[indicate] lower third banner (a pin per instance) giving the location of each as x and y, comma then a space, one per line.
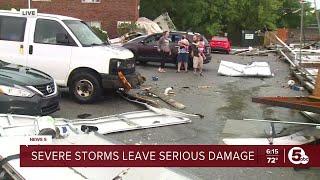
169, 156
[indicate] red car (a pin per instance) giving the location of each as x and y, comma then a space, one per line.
220, 44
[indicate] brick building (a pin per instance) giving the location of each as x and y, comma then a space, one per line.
106, 14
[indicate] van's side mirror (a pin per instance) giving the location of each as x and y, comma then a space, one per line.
62, 38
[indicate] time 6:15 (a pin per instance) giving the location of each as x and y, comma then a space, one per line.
272, 151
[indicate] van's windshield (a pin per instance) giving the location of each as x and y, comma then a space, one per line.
84, 33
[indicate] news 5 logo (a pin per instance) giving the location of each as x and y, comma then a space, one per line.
297, 155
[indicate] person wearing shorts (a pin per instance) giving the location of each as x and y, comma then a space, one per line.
197, 58
198, 64
183, 54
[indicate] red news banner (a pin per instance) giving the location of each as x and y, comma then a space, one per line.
169, 156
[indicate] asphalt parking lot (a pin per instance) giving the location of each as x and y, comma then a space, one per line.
225, 98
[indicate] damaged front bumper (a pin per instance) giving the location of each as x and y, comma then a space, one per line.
114, 82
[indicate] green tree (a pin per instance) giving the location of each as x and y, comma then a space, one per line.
290, 14
252, 15
186, 14
127, 28
103, 35
212, 17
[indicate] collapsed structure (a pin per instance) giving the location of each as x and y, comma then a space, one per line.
16, 130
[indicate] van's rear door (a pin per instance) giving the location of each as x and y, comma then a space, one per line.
45, 52
13, 39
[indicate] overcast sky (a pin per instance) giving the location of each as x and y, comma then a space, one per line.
312, 3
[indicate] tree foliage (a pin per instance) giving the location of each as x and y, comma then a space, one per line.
103, 35
290, 14
127, 28
212, 17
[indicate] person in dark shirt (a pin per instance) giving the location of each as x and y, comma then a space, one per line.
164, 49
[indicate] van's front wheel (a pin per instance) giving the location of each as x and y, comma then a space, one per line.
85, 87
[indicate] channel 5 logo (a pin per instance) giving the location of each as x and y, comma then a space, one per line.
297, 155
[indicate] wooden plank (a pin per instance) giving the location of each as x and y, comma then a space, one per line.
168, 100
316, 91
310, 64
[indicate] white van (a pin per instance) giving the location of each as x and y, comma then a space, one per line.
68, 50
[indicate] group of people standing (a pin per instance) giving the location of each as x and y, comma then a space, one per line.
186, 49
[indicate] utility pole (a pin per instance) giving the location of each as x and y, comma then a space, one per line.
317, 15
301, 27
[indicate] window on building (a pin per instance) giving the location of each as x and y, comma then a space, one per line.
96, 24
90, 1
12, 28
47, 30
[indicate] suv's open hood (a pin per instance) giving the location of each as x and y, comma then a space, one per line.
14, 74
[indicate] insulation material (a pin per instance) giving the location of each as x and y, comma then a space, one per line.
254, 69
149, 26
165, 22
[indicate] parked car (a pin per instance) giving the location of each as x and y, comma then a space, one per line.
220, 44
26, 91
145, 48
125, 38
67, 49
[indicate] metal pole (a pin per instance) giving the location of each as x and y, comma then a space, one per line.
301, 28
317, 15
29, 4
280, 122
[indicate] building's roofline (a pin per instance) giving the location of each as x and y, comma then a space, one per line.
17, 13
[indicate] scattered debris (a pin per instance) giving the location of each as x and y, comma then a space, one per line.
168, 91
294, 139
83, 116
238, 51
17, 129
155, 78
146, 88
204, 87
119, 41
253, 52
165, 110
127, 86
132, 96
314, 117
310, 103
167, 100
305, 136
254, 69
297, 88
158, 109
292, 84
148, 26
31, 125
165, 22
